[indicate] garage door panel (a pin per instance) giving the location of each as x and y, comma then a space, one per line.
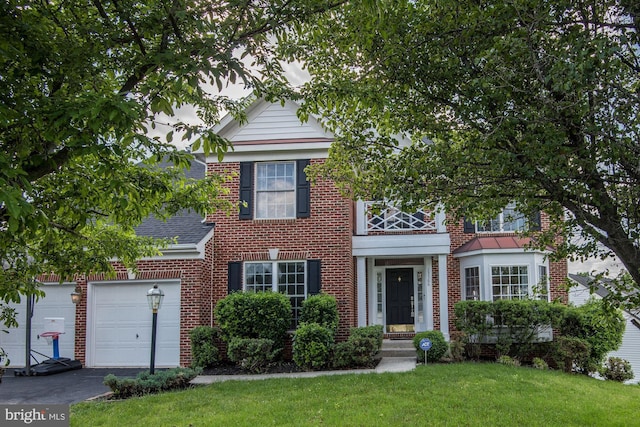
55, 303
122, 321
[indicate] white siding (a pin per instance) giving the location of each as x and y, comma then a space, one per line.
269, 121
630, 348
56, 303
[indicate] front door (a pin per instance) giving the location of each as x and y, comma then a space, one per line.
399, 290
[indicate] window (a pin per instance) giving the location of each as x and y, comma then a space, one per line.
472, 283
510, 282
274, 190
541, 290
287, 278
508, 220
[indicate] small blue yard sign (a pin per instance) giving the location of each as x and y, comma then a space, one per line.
425, 344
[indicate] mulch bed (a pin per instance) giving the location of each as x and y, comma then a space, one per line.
284, 367
233, 369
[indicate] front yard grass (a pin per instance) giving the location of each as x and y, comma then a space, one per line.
465, 394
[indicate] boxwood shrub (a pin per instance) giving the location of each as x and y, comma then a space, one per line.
321, 309
375, 332
252, 354
438, 349
204, 351
312, 346
254, 315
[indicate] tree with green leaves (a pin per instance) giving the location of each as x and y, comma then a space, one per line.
528, 101
83, 84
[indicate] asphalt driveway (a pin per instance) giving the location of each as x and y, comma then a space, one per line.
63, 388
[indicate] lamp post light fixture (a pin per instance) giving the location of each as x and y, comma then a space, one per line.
76, 295
154, 298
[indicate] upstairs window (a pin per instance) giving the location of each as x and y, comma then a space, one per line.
508, 221
274, 190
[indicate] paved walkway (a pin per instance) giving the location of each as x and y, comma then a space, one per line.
387, 364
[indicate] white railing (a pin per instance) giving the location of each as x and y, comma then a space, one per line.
374, 216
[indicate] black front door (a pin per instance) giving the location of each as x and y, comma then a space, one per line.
399, 288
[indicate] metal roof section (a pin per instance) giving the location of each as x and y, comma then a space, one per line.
494, 244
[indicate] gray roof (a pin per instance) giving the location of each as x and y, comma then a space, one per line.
588, 282
187, 226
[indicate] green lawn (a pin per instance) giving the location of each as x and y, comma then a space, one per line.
467, 394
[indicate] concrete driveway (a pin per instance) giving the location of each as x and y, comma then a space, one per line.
63, 388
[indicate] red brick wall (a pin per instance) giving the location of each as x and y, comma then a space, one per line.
195, 296
325, 235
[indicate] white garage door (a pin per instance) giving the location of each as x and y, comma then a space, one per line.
119, 319
56, 303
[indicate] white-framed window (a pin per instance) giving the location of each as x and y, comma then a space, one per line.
510, 282
275, 190
541, 290
472, 283
509, 220
285, 277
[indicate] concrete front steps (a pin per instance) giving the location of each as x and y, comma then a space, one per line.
397, 356
397, 348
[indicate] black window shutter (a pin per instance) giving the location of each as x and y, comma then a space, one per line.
246, 190
234, 277
313, 276
303, 204
469, 227
535, 222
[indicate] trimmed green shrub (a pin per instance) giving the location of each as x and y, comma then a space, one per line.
457, 349
204, 352
252, 354
570, 352
254, 315
145, 383
375, 332
597, 324
321, 309
439, 346
513, 325
357, 351
343, 355
508, 361
312, 346
617, 369
539, 363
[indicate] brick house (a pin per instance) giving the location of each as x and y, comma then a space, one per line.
401, 270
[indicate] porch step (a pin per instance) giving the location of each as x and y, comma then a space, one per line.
397, 348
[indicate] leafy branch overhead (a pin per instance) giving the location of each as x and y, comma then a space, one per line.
83, 86
533, 102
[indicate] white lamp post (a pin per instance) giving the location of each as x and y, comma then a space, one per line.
154, 298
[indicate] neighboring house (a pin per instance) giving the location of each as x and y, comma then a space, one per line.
402, 270
630, 347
